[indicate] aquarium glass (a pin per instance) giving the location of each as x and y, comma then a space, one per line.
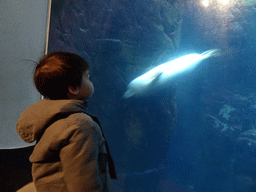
175, 88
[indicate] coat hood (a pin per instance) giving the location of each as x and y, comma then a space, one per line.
36, 118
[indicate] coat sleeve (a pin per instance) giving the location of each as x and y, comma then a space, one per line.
79, 159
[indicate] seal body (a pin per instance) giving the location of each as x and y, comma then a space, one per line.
162, 75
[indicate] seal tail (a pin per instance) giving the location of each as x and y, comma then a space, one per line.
211, 53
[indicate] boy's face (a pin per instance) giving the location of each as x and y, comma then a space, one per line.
86, 90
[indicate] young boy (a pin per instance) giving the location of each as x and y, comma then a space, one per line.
71, 152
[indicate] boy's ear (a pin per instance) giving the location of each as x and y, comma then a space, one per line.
73, 90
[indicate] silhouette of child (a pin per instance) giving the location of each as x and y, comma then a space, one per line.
71, 152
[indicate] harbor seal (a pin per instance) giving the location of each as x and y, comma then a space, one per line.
162, 75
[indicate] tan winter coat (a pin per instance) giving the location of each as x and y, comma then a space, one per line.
70, 153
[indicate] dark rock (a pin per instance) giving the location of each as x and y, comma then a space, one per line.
215, 126
245, 163
248, 140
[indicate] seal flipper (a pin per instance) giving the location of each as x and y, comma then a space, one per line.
154, 79
211, 53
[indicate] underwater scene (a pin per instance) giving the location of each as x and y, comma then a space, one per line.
175, 88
